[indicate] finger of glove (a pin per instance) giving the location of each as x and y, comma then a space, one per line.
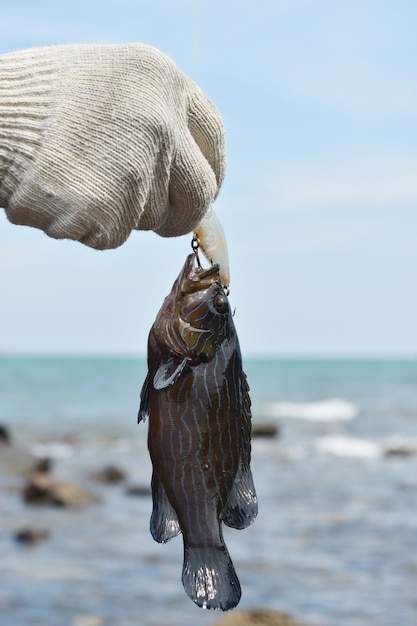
192, 188
206, 127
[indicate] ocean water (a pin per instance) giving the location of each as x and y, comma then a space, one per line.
335, 541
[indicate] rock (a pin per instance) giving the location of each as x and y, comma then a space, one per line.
17, 459
257, 617
43, 465
5, 437
110, 475
41, 489
265, 429
69, 495
400, 446
139, 490
399, 452
88, 620
30, 536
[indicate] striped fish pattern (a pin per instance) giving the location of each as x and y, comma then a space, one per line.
196, 397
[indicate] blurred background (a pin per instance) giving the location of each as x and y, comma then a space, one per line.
319, 100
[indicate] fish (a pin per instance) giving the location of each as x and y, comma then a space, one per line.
196, 399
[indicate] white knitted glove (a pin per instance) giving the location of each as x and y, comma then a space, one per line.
98, 140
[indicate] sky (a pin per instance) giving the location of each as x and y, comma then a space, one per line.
319, 101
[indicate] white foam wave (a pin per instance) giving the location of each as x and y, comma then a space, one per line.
52, 450
334, 409
350, 447
354, 447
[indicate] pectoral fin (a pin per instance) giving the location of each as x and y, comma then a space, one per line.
169, 371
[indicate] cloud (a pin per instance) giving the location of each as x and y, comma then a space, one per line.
336, 205
372, 180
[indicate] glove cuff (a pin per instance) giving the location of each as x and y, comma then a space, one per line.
26, 79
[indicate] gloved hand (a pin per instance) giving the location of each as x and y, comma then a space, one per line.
98, 140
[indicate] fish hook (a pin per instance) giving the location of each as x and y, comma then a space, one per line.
195, 246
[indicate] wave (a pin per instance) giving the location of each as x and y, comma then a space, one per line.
52, 450
350, 447
334, 409
354, 447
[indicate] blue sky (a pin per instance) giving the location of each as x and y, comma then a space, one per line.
319, 100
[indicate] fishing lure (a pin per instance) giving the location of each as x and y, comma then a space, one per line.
210, 237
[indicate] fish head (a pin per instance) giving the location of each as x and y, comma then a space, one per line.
195, 318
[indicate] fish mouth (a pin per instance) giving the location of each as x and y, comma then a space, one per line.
196, 278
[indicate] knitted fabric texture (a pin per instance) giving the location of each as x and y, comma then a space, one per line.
98, 140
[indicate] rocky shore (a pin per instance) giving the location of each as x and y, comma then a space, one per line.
257, 617
37, 487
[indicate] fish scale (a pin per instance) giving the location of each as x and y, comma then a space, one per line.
197, 399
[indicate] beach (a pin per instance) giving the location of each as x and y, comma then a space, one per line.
335, 541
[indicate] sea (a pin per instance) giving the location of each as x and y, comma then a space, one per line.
335, 540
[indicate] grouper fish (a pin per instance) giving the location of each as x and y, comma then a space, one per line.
196, 398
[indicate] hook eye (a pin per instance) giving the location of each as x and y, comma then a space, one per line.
195, 246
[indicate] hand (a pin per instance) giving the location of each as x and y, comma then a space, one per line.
98, 140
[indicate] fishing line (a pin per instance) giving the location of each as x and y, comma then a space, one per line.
196, 25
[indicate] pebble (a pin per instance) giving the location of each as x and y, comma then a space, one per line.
257, 617
42, 489
139, 490
111, 474
265, 429
30, 536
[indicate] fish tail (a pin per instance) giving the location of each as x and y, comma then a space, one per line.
209, 577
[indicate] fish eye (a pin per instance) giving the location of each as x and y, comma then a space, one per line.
220, 302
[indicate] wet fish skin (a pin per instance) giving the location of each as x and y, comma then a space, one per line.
197, 399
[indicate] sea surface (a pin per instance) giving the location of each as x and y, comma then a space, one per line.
335, 541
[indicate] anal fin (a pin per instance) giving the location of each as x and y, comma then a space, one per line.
242, 506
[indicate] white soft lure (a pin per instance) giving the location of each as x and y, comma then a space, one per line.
212, 242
